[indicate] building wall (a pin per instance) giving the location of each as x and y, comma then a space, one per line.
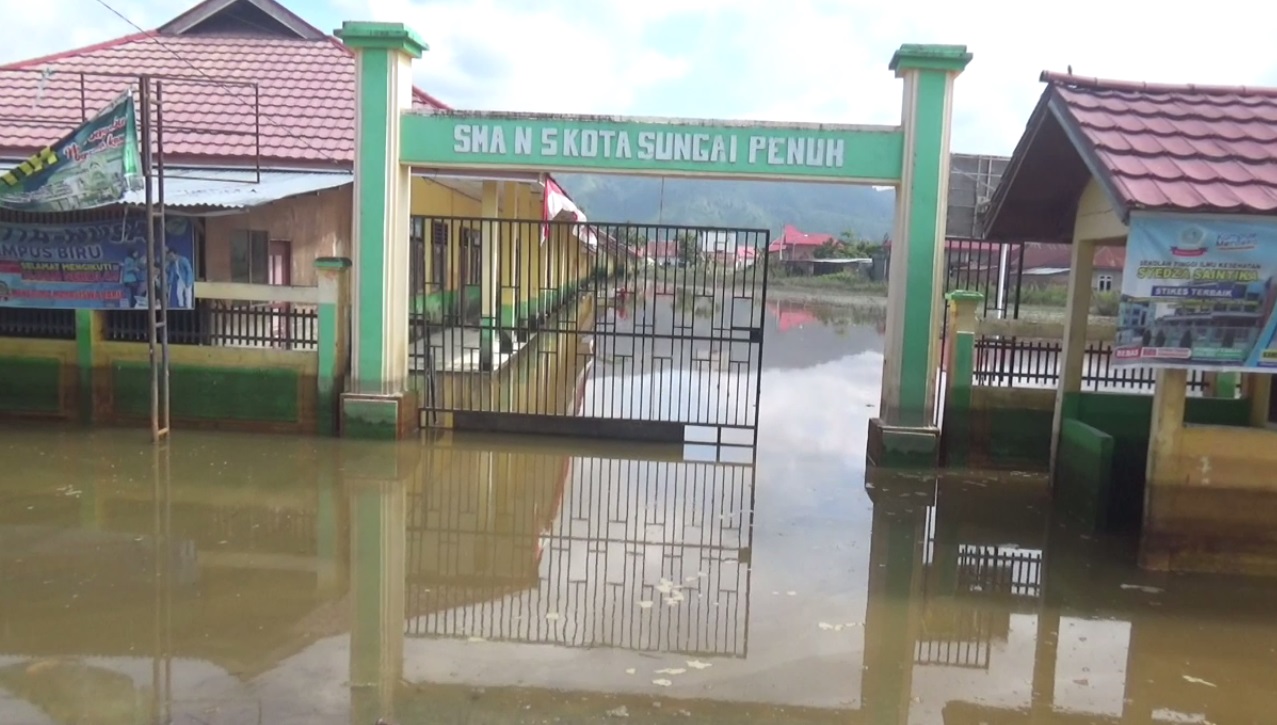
317, 225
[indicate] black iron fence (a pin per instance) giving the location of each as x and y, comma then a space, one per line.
226, 323
581, 551
37, 323
994, 269
587, 329
1019, 362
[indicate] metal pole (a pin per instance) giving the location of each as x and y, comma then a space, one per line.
162, 323
1003, 253
144, 98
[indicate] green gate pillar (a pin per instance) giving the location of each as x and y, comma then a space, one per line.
376, 477
379, 404
904, 434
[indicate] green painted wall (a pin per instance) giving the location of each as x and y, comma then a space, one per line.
30, 385
204, 393
1084, 477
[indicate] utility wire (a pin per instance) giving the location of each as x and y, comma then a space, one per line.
219, 83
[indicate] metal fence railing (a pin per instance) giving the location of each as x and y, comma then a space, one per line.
1017, 362
37, 323
226, 323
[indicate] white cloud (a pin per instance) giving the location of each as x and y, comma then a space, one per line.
33, 29
797, 60
487, 54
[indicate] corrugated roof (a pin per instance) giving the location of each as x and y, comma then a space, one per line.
238, 189
305, 95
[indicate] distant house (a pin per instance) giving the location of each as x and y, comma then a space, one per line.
717, 242
1048, 265
797, 246
741, 258
663, 253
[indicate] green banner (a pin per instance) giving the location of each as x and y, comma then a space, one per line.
95, 165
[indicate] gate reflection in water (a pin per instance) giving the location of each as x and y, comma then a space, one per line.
581, 548
596, 330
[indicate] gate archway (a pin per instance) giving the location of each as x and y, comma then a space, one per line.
392, 138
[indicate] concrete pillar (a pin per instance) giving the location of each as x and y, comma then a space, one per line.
959, 373
904, 432
333, 274
489, 283
376, 479
1258, 388
1169, 398
89, 327
379, 403
892, 611
1073, 352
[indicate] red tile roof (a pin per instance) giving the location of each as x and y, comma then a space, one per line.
306, 95
1060, 256
791, 237
1188, 148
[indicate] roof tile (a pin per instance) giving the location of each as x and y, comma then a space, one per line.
1190, 148
305, 95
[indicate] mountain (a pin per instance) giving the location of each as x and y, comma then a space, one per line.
817, 208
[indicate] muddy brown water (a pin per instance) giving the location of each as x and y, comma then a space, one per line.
270, 579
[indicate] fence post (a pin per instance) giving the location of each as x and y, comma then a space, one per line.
333, 339
958, 417
89, 325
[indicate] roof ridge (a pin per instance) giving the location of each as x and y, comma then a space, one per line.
1103, 84
104, 45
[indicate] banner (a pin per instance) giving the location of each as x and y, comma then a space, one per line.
1197, 292
93, 166
94, 265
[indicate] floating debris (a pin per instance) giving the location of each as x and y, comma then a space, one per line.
698, 665
1142, 588
825, 626
1198, 681
671, 671
791, 593
618, 712
551, 616
630, 670
476, 639
662, 683
645, 604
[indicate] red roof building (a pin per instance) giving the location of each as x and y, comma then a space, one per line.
797, 244
1185, 148
301, 104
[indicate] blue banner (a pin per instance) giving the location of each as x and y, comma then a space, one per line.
94, 265
1198, 292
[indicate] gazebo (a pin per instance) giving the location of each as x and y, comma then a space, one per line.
1185, 178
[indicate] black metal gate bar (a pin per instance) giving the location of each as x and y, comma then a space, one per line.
597, 330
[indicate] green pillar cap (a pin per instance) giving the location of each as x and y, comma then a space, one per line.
332, 263
912, 56
390, 36
962, 295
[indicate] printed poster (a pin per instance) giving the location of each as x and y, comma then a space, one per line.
94, 265
94, 166
1197, 292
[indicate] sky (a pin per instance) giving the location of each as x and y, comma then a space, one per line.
777, 60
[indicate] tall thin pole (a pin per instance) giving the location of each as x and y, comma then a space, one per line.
144, 99
162, 324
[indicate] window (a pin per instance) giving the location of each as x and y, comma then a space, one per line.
416, 253
250, 256
472, 255
439, 254
1104, 283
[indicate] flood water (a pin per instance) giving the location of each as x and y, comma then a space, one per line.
269, 579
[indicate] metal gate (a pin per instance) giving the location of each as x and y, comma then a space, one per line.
620, 331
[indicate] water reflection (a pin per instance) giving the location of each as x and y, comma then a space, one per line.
279, 580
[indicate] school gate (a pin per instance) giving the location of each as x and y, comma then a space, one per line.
393, 141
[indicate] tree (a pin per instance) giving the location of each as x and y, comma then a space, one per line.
689, 251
